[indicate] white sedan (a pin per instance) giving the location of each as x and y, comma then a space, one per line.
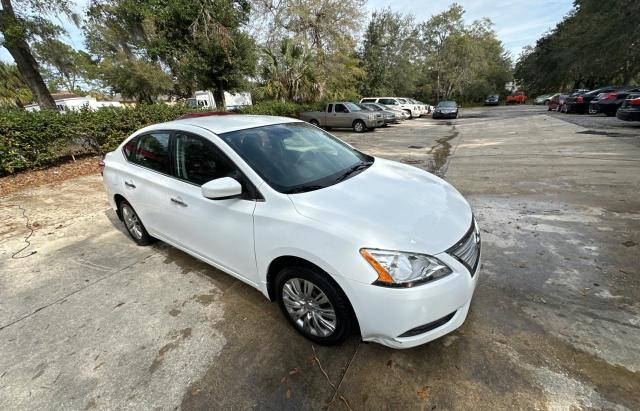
342, 240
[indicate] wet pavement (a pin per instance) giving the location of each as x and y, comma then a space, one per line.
90, 321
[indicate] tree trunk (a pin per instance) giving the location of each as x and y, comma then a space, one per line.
219, 95
15, 42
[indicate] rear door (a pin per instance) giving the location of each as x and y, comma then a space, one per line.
221, 231
146, 179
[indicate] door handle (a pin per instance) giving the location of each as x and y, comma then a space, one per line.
129, 184
178, 202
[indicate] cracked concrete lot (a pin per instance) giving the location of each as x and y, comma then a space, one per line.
91, 321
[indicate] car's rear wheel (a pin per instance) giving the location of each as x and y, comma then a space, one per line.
359, 126
314, 122
314, 305
134, 225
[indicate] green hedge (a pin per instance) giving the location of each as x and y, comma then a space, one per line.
35, 139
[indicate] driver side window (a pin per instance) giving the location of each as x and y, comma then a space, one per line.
198, 160
340, 108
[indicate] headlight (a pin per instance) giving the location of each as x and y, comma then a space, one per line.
372, 116
399, 269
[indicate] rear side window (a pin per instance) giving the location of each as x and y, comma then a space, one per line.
368, 100
198, 160
330, 108
150, 151
388, 101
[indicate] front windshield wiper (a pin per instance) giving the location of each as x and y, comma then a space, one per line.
305, 188
354, 169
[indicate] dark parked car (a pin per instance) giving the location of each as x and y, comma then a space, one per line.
609, 103
630, 109
492, 100
446, 109
579, 102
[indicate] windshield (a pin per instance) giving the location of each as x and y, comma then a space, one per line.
367, 107
352, 107
296, 157
447, 104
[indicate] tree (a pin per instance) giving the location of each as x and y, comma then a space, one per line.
14, 91
18, 28
288, 73
388, 55
465, 61
134, 78
200, 43
598, 43
66, 66
327, 28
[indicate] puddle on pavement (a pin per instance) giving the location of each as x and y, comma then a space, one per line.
440, 153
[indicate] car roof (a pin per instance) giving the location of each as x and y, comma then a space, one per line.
225, 124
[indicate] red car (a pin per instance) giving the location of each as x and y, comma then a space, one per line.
517, 98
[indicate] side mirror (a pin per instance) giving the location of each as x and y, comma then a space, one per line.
221, 188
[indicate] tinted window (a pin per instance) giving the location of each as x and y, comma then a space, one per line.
151, 151
447, 104
340, 108
368, 100
198, 160
294, 156
388, 101
329, 108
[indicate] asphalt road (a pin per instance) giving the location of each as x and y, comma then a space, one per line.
91, 321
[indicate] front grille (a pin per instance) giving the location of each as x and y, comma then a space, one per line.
467, 250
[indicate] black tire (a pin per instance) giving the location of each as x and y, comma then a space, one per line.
409, 113
314, 123
345, 321
359, 126
138, 233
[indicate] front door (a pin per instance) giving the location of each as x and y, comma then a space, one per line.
221, 231
342, 116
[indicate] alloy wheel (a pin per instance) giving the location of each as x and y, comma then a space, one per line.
309, 307
132, 222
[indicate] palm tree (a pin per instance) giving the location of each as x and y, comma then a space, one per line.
288, 74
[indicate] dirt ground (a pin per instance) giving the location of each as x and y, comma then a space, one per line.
88, 320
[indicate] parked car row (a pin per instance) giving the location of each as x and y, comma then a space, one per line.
412, 107
370, 113
608, 100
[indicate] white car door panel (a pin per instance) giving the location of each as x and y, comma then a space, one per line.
218, 230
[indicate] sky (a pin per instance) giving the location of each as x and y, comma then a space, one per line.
517, 23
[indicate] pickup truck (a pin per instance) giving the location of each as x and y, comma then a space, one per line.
344, 114
516, 98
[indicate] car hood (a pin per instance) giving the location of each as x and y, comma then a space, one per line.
391, 206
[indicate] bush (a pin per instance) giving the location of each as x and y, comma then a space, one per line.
35, 139
280, 108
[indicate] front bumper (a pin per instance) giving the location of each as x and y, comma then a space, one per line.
378, 122
445, 115
385, 314
628, 115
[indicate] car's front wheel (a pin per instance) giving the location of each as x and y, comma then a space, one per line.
314, 305
134, 225
359, 126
